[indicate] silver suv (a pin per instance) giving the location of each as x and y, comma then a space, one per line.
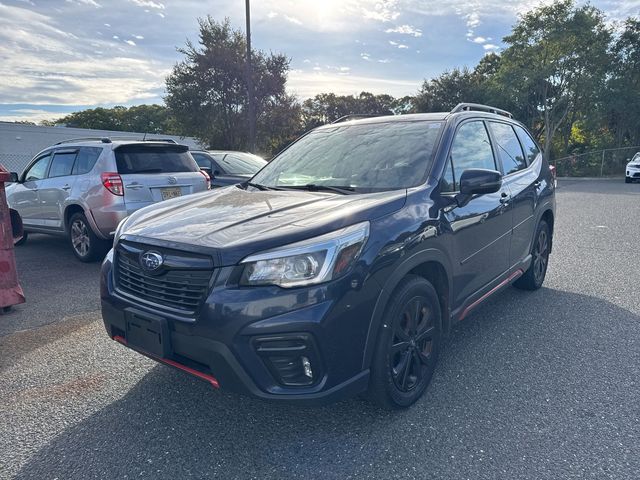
84, 188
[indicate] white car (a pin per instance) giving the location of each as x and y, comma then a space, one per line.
633, 169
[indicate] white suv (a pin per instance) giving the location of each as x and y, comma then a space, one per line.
633, 169
83, 188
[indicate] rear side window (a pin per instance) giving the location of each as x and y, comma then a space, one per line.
202, 160
87, 157
62, 164
531, 150
509, 149
471, 149
242, 164
154, 159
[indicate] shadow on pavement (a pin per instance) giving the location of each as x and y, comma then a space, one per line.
529, 386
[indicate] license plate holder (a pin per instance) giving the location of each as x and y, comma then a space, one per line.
148, 333
171, 192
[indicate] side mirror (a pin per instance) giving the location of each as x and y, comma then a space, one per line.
477, 181
13, 178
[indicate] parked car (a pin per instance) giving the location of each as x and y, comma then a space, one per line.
346, 283
84, 188
633, 169
228, 168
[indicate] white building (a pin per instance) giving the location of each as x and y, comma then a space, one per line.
19, 142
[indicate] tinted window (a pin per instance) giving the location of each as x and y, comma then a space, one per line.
369, 156
62, 164
508, 146
531, 150
242, 163
154, 159
39, 169
471, 149
87, 157
203, 161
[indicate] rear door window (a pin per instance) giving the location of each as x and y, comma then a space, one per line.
531, 150
86, 160
509, 149
154, 159
62, 164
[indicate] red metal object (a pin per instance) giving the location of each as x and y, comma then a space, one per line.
10, 290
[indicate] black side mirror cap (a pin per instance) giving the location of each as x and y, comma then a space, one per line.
477, 181
14, 178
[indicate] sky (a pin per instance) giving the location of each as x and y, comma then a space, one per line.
61, 56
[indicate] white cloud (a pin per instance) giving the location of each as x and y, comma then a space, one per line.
130, 42
272, 14
403, 46
307, 84
293, 20
405, 30
396, 44
31, 115
149, 4
107, 25
382, 11
138, 37
116, 37
490, 46
365, 56
90, 3
480, 40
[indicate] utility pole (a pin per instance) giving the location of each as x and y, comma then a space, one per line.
250, 92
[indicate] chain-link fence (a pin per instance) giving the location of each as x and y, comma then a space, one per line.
602, 163
14, 162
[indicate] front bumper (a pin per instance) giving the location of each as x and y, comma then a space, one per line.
233, 339
633, 173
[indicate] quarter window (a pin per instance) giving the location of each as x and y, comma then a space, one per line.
471, 149
87, 157
203, 161
62, 164
39, 169
531, 150
509, 149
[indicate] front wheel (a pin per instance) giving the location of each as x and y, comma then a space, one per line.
407, 346
537, 271
86, 245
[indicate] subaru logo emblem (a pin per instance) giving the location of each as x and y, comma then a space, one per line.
151, 261
172, 180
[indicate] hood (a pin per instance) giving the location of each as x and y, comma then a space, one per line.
234, 223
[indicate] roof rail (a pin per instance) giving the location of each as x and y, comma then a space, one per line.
110, 139
462, 107
353, 116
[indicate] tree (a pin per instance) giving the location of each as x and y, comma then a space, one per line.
207, 90
328, 107
554, 66
139, 118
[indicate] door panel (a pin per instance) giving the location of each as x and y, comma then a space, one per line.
25, 196
480, 230
55, 189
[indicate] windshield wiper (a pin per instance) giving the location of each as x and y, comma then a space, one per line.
262, 187
312, 187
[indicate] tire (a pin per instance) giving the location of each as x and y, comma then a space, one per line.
534, 277
407, 346
627, 180
85, 244
23, 240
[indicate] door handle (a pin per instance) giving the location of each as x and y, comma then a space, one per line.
537, 184
66, 187
504, 198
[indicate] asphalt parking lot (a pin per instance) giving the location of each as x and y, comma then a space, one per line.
541, 385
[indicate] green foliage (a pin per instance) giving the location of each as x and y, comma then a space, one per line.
207, 91
139, 118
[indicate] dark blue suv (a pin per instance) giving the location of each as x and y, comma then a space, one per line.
337, 269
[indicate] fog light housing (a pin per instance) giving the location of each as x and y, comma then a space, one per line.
292, 360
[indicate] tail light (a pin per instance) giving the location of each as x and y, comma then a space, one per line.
207, 179
113, 182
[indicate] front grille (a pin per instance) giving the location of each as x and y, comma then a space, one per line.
179, 289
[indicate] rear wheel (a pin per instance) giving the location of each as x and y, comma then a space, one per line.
537, 271
407, 346
86, 245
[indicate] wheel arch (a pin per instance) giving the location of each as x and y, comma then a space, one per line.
71, 210
432, 265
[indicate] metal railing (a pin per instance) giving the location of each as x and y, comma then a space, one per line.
610, 162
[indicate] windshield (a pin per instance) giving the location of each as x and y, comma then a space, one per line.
365, 157
139, 158
238, 163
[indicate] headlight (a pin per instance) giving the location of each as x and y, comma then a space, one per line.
317, 260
